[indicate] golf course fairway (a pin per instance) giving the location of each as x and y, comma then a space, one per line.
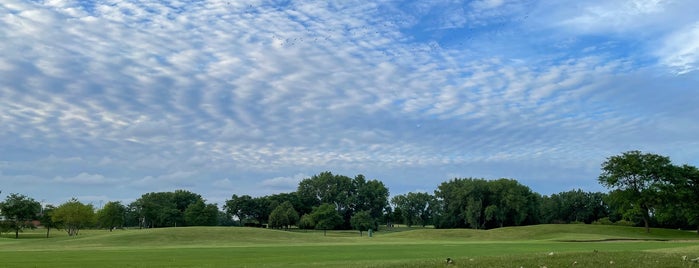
573, 245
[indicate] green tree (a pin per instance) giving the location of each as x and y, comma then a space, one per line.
19, 211
157, 209
416, 208
370, 196
201, 214
574, 206
306, 222
327, 188
686, 191
47, 220
183, 199
283, 216
478, 203
362, 221
112, 215
73, 216
240, 207
638, 177
326, 217
162, 209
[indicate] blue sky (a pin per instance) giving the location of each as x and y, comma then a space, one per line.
110, 99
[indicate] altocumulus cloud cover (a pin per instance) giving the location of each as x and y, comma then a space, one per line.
109, 99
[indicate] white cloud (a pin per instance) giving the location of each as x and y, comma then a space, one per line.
84, 179
283, 183
680, 50
182, 95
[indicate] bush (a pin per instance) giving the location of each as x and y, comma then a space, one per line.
603, 221
306, 222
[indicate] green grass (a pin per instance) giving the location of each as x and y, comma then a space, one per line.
530, 246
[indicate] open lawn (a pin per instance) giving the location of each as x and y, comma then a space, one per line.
529, 246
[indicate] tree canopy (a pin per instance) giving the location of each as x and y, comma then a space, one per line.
645, 189
19, 210
73, 216
638, 177
112, 215
283, 216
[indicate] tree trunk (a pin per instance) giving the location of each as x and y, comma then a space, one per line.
48, 229
16, 233
645, 222
646, 217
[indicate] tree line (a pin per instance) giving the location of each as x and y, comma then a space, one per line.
645, 190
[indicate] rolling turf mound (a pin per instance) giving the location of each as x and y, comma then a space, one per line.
550, 232
221, 237
171, 237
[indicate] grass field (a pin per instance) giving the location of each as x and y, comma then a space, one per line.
530, 246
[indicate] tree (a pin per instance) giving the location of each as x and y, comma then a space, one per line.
638, 177
74, 215
326, 217
201, 214
686, 189
183, 199
283, 216
240, 207
331, 189
19, 211
574, 206
478, 203
306, 222
416, 208
164, 209
157, 210
46, 219
370, 196
112, 215
362, 221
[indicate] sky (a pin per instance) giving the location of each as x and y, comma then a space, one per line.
107, 100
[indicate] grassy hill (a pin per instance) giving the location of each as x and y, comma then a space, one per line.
254, 247
554, 232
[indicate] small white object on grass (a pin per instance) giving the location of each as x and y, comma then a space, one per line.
551, 253
695, 259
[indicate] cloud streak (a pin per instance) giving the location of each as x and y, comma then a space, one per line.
212, 95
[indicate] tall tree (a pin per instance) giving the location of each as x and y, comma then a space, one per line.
240, 207
162, 209
183, 199
573, 206
201, 214
370, 196
331, 189
112, 215
74, 215
326, 217
283, 216
46, 220
19, 211
416, 208
478, 203
686, 189
638, 177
